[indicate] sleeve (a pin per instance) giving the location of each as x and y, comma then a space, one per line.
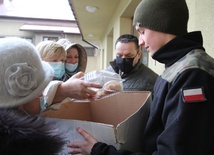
187, 116
50, 91
104, 149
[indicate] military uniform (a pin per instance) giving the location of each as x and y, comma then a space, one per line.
182, 113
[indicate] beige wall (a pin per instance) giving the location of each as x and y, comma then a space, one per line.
11, 28
118, 25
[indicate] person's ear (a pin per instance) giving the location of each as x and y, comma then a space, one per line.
139, 53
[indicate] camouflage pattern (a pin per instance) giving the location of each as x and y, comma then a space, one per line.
194, 59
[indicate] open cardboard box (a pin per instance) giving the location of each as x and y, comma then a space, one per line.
118, 119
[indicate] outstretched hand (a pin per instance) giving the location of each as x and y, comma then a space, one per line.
83, 147
76, 88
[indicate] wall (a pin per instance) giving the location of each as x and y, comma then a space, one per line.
11, 28
118, 26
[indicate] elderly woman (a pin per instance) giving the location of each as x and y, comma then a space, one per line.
24, 76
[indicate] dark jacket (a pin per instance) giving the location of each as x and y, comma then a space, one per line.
27, 135
180, 123
141, 78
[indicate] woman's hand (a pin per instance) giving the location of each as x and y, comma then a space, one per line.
76, 88
84, 147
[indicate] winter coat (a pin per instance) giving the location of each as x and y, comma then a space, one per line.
27, 135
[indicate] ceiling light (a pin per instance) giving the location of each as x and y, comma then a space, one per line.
91, 8
90, 35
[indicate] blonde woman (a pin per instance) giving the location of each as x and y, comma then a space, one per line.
55, 55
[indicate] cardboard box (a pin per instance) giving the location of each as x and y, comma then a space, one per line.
118, 119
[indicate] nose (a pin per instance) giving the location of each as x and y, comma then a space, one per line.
141, 41
73, 61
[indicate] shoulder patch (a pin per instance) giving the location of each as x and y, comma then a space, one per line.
193, 95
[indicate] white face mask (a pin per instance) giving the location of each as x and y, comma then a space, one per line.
71, 67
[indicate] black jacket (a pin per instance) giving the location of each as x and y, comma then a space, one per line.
27, 135
181, 120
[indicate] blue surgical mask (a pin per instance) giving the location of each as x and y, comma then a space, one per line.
43, 104
71, 67
59, 69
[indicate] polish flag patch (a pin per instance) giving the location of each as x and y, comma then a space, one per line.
193, 95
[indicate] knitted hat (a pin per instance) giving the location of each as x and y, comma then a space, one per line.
23, 76
168, 16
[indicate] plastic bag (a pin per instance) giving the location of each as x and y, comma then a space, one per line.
111, 82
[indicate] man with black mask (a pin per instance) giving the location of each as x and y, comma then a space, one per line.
137, 76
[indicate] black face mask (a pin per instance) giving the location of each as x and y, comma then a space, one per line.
125, 64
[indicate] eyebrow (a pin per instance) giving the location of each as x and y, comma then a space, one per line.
126, 55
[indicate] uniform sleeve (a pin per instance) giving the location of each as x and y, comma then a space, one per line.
104, 149
187, 116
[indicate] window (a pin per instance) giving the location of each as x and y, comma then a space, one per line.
50, 38
90, 51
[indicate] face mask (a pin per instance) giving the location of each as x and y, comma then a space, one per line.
125, 64
71, 67
43, 104
59, 69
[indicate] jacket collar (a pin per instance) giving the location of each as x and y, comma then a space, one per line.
178, 47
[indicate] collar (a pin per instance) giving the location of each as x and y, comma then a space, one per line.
178, 47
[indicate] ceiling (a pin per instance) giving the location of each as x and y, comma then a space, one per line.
96, 23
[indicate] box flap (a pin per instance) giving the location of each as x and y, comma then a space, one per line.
130, 131
117, 107
71, 110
